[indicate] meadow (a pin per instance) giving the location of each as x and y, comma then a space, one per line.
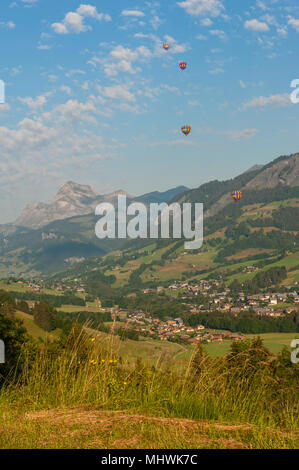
82, 395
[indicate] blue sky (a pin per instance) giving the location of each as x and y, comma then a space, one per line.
92, 96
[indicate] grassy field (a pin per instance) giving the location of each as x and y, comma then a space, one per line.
155, 351
15, 287
34, 330
273, 341
178, 355
87, 427
74, 401
89, 307
152, 352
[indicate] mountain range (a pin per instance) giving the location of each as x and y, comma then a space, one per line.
74, 199
48, 238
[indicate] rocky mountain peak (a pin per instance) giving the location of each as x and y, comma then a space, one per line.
72, 199
72, 190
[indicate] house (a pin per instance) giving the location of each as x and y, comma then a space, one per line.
193, 340
200, 327
235, 310
290, 309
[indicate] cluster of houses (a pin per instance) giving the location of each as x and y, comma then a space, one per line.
262, 304
59, 286
173, 329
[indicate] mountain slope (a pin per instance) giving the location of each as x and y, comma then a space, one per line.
72, 199
75, 199
216, 195
158, 196
60, 244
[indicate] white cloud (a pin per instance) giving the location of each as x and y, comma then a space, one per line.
42, 150
52, 77
137, 13
8, 24
201, 37
124, 58
218, 32
153, 93
43, 47
256, 25
73, 22
75, 72
262, 5
4, 107
202, 7
118, 92
294, 23
194, 103
155, 21
16, 70
66, 89
35, 103
265, 101
242, 134
206, 22
216, 71
282, 32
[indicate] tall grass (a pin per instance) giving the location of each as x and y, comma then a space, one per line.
82, 373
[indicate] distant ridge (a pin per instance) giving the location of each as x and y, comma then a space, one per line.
254, 168
158, 196
74, 199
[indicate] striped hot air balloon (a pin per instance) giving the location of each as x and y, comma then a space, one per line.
166, 46
186, 129
237, 195
183, 65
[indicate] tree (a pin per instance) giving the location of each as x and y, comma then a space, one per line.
44, 316
23, 306
198, 360
8, 310
246, 358
14, 336
7, 298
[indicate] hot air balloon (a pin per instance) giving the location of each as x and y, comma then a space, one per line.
183, 65
166, 46
237, 195
186, 129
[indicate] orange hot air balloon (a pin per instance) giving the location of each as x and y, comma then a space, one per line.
237, 195
186, 129
166, 46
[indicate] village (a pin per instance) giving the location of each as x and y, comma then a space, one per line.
261, 303
202, 296
175, 330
